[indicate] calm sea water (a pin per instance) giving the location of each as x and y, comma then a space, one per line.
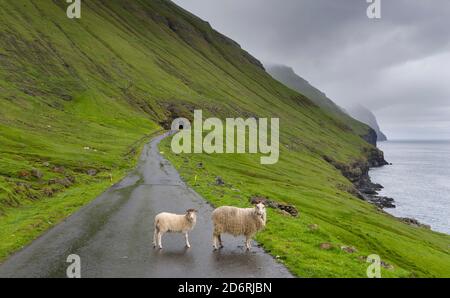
418, 180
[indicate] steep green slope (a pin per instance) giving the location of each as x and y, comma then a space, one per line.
82, 95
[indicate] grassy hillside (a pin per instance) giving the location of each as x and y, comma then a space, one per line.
79, 97
327, 215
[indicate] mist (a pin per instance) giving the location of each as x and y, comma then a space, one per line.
397, 66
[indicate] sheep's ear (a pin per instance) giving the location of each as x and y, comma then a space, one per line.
264, 202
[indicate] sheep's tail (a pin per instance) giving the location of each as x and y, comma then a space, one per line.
156, 224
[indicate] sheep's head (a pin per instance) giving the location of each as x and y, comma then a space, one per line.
191, 215
260, 210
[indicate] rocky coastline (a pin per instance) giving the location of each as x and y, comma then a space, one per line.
358, 173
368, 190
364, 188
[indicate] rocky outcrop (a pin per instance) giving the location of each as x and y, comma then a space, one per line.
371, 137
380, 201
365, 189
415, 223
375, 158
358, 174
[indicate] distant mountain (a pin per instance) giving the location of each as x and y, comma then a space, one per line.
364, 115
288, 77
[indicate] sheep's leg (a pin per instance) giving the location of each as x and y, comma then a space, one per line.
159, 239
220, 241
248, 244
215, 240
154, 237
186, 235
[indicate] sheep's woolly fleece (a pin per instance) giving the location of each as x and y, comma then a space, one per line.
237, 221
168, 222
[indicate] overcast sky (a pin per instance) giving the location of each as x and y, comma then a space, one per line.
398, 66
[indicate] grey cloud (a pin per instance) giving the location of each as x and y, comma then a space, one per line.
397, 66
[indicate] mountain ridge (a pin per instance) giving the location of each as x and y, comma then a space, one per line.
287, 75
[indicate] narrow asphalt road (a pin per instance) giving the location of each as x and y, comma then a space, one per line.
113, 235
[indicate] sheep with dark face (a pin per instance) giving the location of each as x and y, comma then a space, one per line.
174, 223
238, 221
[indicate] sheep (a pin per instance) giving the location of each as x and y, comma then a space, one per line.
174, 223
238, 221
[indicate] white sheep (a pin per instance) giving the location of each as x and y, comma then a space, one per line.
174, 223
238, 221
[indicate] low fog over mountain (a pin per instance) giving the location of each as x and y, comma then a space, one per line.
364, 115
287, 76
397, 66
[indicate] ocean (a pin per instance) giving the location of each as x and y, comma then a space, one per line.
418, 180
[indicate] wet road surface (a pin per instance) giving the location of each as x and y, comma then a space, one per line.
113, 235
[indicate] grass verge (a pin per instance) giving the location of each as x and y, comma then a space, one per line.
316, 244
